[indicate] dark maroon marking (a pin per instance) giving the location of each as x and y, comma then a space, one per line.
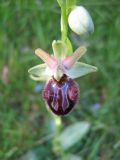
61, 96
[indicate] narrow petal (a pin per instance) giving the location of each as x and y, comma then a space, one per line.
71, 60
80, 69
49, 60
40, 72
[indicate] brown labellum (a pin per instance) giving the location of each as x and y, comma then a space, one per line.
61, 96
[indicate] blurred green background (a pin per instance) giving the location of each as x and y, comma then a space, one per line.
27, 128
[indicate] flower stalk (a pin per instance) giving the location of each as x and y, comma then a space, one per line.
56, 48
64, 26
66, 6
56, 144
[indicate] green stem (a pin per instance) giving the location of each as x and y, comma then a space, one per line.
58, 123
64, 24
57, 147
64, 27
64, 4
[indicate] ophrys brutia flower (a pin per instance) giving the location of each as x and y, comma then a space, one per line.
61, 91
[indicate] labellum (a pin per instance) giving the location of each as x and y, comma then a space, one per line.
61, 96
61, 91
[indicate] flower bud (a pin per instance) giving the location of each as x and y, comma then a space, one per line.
80, 21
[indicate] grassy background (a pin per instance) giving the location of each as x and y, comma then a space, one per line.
25, 123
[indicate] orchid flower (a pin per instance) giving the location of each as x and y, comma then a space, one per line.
61, 91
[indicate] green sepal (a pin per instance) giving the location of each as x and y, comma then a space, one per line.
59, 49
80, 69
35, 78
38, 73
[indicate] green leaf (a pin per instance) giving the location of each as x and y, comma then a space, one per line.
73, 134
80, 69
72, 157
29, 155
39, 72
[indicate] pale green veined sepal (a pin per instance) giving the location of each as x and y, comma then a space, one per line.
39, 72
59, 49
80, 69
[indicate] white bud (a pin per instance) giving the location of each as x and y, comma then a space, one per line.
80, 21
